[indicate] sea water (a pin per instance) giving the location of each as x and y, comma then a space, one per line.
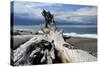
89, 31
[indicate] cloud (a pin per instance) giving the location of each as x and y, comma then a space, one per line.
24, 10
30, 10
33, 11
80, 15
29, 13
87, 11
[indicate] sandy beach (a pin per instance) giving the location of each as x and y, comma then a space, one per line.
86, 44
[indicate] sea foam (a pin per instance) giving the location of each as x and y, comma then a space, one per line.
81, 35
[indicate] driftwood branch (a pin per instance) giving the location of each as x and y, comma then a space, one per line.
44, 49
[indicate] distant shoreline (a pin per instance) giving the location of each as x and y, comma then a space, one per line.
76, 29
72, 34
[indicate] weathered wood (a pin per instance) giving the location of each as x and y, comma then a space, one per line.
20, 52
62, 57
68, 54
41, 49
57, 37
36, 47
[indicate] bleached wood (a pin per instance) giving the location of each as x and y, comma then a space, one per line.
71, 55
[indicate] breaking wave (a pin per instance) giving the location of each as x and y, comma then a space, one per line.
81, 35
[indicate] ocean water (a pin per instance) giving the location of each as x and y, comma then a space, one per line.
81, 29
89, 31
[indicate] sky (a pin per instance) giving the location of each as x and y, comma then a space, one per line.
29, 13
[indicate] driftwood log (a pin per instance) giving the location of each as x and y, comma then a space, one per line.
41, 50
48, 49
